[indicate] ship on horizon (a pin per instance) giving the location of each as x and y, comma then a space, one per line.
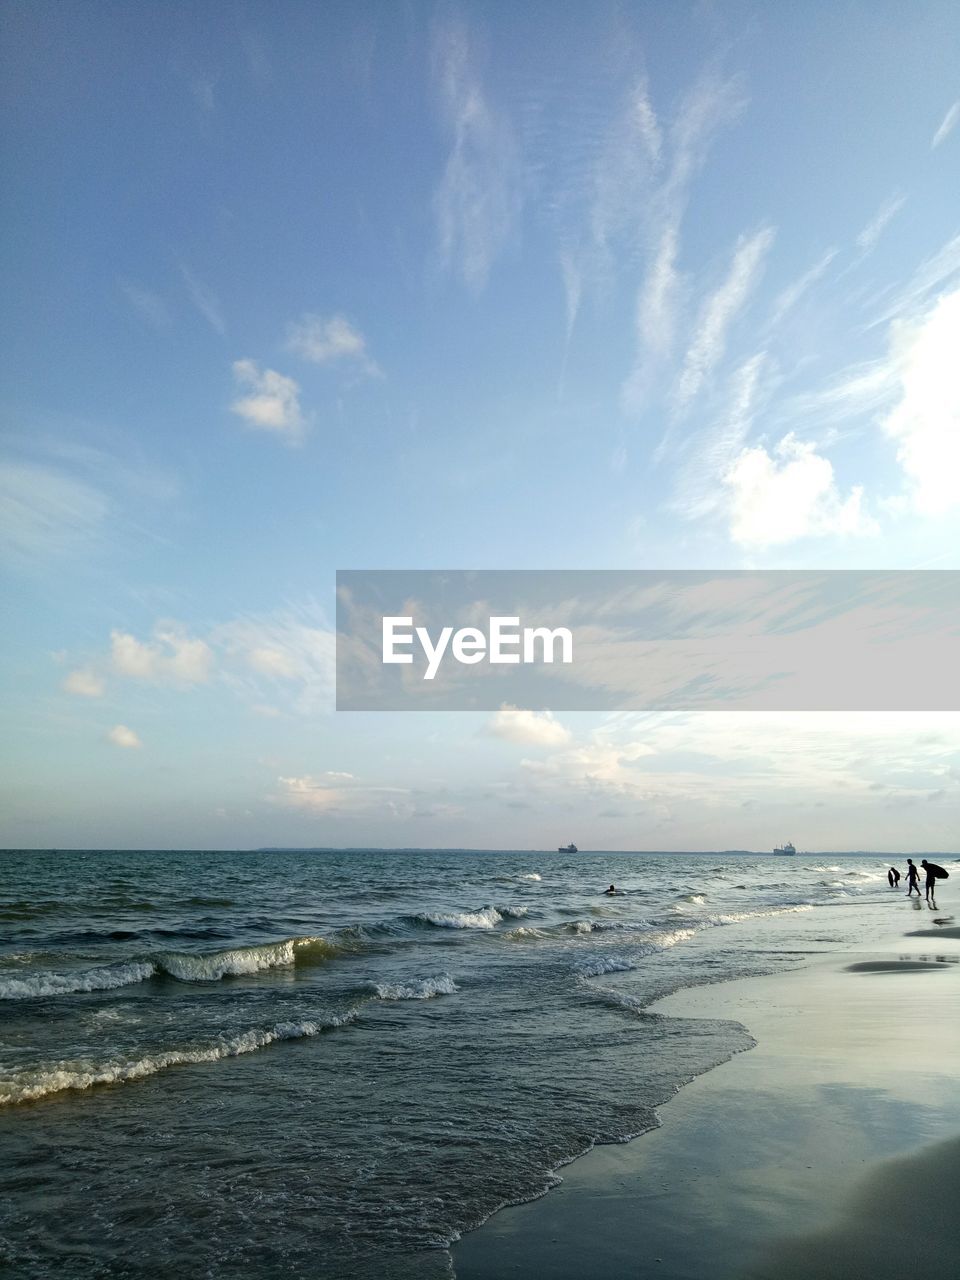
567, 848
787, 850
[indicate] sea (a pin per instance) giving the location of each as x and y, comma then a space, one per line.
334, 1063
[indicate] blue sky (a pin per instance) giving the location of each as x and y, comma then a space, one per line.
295, 287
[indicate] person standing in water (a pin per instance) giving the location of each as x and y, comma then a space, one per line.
893, 877
913, 878
933, 874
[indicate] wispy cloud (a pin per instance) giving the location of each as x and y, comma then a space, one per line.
947, 126
935, 272
788, 298
718, 313
713, 451
273, 403
605, 173
123, 737
869, 236
289, 654
204, 299
712, 104
150, 306
478, 199
329, 341
46, 512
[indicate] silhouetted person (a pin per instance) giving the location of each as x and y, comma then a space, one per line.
613, 889
913, 878
934, 873
893, 876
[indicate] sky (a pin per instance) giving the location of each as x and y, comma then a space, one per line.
292, 288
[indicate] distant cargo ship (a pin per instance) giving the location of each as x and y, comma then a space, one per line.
785, 850
567, 848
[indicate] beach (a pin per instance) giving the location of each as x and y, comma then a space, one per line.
375, 1057
830, 1149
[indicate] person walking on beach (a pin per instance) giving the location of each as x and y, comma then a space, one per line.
893, 876
934, 873
913, 878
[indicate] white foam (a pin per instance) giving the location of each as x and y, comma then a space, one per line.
83, 1073
663, 938
525, 931
514, 913
52, 983
180, 965
594, 966
243, 960
484, 919
420, 989
735, 917
531, 875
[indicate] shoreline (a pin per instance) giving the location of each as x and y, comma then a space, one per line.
833, 1137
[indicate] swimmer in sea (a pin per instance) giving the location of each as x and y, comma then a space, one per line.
612, 889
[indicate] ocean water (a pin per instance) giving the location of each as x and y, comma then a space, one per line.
334, 1064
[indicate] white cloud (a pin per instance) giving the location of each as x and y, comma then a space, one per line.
170, 658
279, 663
517, 725
336, 791
871, 233
719, 311
121, 736
597, 764
477, 201
44, 512
925, 422
319, 795
326, 341
84, 683
947, 126
790, 495
204, 299
273, 404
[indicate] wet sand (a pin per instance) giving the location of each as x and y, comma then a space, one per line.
831, 1151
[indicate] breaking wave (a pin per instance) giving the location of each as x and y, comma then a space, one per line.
83, 1073
485, 918
183, 966
421, 989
